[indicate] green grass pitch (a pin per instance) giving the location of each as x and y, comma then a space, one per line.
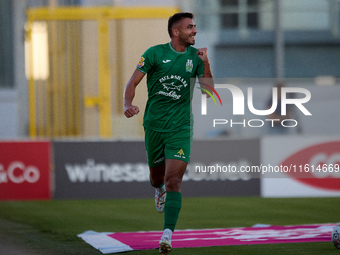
51, 227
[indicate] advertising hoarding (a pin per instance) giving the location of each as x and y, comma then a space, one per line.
106, 169
25, 170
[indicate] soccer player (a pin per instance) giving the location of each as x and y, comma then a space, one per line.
167, 119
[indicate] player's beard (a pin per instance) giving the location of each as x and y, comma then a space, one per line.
187, 40
191, 40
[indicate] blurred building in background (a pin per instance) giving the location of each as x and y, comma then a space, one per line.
246, 36
56, 91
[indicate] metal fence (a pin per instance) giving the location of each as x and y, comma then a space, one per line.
77, 61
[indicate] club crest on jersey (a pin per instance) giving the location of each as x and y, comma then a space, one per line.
189, 66
141, 62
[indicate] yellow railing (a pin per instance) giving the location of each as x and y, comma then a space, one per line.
74, 97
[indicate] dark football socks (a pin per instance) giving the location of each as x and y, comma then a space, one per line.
173, 203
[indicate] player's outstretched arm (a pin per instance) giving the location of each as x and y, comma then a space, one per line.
206, 81
130, 90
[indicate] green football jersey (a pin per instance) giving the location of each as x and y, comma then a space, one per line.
169, 90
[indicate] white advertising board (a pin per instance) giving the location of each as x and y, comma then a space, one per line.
299, 166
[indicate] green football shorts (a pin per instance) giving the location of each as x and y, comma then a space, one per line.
167, 145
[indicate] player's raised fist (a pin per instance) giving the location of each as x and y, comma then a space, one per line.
203, 53
130, 110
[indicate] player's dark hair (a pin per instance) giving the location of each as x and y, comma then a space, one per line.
176, 18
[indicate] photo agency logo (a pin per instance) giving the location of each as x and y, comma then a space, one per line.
281, 99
